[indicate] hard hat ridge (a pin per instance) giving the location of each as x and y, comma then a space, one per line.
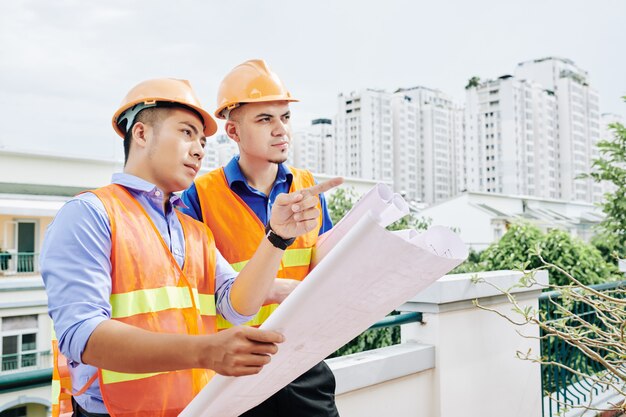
250, 82
157, 92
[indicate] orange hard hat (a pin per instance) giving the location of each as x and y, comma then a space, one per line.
250, 82
161, 90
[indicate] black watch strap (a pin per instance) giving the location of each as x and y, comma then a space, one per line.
276, 240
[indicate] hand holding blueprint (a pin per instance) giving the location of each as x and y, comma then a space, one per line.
362, 273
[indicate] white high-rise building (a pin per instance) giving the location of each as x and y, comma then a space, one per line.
578, 120
313, 148
408, 160
364, 140
428, 128
510, 143
218, 151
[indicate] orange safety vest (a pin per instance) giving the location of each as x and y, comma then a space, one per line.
238, 231
150, 291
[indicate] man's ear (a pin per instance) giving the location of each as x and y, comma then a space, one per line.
232, 130
140, 133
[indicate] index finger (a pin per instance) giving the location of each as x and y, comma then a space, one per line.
264, 336
323, 187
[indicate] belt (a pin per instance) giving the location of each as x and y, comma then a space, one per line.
80, 411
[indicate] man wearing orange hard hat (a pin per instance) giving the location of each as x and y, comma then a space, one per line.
134, 286
238, 202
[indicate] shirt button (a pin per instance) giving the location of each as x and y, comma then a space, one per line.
157, 193
176, 251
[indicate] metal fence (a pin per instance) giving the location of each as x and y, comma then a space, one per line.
26, 361
565, 387
18, 263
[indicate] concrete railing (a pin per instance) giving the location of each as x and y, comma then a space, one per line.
461, 361
391, 381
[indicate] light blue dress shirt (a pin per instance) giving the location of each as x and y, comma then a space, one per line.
76, 268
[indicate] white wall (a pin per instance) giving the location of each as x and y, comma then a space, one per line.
21, 168
476, 370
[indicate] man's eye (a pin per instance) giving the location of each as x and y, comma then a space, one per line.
187, 132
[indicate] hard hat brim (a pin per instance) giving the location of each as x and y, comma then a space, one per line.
218, 113
210, 126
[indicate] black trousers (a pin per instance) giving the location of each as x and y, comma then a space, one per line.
312, 394
80, 412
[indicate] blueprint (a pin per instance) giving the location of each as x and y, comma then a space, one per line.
362, 273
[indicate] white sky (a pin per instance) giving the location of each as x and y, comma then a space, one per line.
65, 65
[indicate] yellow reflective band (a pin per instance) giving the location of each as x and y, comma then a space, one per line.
206, 302
257, 320
158, 299
238, 266
111, 377
56, 391
291, 258
297, 257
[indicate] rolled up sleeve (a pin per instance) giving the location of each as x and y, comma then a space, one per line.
76, 269
225, 277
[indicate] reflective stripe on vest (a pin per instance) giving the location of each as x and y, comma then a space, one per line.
158, 299
291, 258
111, 377
56, 391
256, 321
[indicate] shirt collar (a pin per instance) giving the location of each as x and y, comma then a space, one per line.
140, 185
233, 173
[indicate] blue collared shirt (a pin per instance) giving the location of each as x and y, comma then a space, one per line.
260, 203
76, 269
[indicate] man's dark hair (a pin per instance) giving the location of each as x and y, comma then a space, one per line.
152, 116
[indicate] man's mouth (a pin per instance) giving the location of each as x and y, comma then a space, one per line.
195, 168
281, 145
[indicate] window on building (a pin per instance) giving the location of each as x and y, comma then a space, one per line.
19, 342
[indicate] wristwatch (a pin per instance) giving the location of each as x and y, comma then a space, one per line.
276, 240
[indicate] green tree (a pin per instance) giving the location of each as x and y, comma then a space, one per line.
340, 202
370, 339
521, 245
514, 250
411, 221
471, 264
576, 257
611, 167
472, 82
